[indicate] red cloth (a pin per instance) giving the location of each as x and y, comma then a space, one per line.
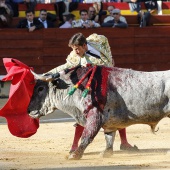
20, 124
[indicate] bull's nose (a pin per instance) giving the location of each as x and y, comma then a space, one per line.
34, 114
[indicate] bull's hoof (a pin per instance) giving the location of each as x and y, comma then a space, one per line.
106, 153
71, 151
74, 156
129, 148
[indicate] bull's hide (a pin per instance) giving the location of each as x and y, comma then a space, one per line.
98, 85
127, 97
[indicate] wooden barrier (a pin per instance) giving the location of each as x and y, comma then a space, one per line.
160, 20
144, 49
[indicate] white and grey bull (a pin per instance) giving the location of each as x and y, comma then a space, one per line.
133, 97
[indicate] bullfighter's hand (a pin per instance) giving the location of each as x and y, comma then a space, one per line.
53, 76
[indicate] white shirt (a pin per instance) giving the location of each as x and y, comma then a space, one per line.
84, 60
90, 21
92, 50
84, 22
29, 23
66, 25
44, 22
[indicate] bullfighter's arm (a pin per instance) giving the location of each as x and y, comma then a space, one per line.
72, 60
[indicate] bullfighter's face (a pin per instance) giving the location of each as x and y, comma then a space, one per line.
80, 50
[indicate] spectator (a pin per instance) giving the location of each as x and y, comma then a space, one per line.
64, 18
92, 14
143, 17
111, 17
6, 14
134, 5
84, 22
43, 19
69, 19
30, 4
60, 8
14, 6
116, 22
98, 6
30, 22
159, 7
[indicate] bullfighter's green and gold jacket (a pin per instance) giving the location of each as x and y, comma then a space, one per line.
101, 44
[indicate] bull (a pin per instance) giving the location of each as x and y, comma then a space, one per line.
118, 98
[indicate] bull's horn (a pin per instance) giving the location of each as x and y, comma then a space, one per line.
40, 77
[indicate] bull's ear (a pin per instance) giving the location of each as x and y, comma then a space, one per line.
60, 84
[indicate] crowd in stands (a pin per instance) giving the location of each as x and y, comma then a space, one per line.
6, 14
93, 17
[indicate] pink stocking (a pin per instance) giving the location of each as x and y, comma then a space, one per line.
122, 133
78, 132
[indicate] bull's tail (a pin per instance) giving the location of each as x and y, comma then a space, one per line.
153, 126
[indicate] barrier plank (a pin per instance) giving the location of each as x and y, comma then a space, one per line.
20, 34
17, 52
138, 48
151, 58
24, 44
156, 32
149, 40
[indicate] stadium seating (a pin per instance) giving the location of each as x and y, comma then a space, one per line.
124, 7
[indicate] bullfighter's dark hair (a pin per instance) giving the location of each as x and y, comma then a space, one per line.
77, 39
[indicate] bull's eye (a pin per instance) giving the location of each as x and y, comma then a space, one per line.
40, 89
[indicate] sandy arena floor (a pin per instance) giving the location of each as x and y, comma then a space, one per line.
48, 149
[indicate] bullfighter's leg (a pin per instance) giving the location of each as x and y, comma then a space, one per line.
124, 143
92, 127
109, 137
78, 133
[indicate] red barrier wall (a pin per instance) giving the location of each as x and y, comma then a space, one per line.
144, 49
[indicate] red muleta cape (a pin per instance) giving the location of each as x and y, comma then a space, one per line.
20, 124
